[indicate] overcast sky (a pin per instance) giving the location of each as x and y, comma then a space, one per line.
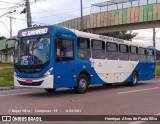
46, 12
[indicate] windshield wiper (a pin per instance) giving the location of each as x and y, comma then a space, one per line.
35, 44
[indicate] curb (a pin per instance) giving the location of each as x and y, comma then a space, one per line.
10, 88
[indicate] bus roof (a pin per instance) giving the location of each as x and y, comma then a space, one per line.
45, 29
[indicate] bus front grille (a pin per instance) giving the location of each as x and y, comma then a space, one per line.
30, 84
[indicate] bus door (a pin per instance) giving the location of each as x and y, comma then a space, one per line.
64, 66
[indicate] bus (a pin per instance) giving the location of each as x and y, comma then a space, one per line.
52, 57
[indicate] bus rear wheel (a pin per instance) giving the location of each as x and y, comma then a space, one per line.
134, 79
82, 84
49, 90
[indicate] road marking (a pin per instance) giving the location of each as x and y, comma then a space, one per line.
140, 122
16, 94
138, 90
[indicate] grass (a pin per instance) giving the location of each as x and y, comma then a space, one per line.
5, 83
158, 70
6, 64
6, 75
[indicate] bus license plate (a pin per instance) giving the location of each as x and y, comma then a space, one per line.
28, 81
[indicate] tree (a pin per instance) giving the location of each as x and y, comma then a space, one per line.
126, 35
157, 55
2, 37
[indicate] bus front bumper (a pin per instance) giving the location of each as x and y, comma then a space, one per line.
44, 82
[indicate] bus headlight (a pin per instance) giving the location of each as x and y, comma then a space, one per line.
15, 73
48, 72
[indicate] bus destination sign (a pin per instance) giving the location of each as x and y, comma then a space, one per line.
33, 31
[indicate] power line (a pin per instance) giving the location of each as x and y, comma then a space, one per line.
37, 1
46, 11
61, 13
59, 9
7, 2
6, 8
32, 21
5, 26
12, 8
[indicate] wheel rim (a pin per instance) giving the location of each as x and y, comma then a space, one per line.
83, 83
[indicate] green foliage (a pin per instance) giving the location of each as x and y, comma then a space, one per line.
4, 83
158, 70
6, 64
6, 75
2, 37
126, 35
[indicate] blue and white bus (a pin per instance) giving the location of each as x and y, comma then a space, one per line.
53, 57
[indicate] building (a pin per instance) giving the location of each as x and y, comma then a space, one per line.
7, 50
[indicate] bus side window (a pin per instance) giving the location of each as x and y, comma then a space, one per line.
98, 49
83, 48
150, 55
64, 50
123, 52
112, 51
134, 53
142, 54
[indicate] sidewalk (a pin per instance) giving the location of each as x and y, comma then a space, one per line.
10, 88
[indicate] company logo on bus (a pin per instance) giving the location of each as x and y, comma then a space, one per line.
111, 39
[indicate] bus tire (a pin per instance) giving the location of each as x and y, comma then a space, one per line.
82, 84
50, 90
134, 79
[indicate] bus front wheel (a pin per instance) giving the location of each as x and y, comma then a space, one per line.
82, 84
134, 79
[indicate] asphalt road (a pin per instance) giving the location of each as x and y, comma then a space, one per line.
143, 99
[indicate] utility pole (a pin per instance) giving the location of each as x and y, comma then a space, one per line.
154, 37
28, 12
81, 15
10, 25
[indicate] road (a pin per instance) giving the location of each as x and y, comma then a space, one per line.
143, 99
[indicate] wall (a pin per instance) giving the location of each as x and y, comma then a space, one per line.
6, 50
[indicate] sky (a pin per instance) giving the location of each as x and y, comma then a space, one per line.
47, 12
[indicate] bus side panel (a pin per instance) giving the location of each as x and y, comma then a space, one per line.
146, 70
85, 65
104, 71
63, 75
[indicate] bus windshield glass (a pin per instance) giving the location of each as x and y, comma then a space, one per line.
32, 51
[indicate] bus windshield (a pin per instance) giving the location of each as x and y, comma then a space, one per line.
32, 51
